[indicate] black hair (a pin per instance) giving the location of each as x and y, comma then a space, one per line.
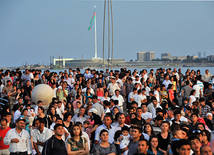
117, 135
57, 125
125, 128
102, 131
182, 142
66, 115
41, 120
208, 134
71, 131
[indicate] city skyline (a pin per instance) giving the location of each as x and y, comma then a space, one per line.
32, 31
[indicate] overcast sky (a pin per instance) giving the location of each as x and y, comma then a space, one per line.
32, 31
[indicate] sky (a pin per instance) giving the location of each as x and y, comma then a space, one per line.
32, 31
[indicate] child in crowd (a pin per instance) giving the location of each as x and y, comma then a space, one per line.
124, 140
87, 129
78, 108
107, 106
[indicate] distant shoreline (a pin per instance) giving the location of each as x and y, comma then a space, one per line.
140, 65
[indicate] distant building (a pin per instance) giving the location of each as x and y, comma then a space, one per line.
175, 57
141, 56
150, 55
210, 58
94, 62
145, 56
165, 55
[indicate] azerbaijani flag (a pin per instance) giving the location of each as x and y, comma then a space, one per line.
94, 16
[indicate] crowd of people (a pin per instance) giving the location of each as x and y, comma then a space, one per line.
111, 112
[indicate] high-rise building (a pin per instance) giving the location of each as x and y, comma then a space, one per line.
150, 55
145, 56
141, 56
165, 55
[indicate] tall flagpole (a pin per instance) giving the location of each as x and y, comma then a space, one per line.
95, 32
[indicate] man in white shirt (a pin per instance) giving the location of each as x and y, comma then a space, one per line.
139, 98
88, 87
120, 121
113, 86
146, 115
40, 135
106, 125
156, 93
98, 107
166, 82
70, 81
118, 97
132, 95
39, 104
197, 90
60, 109
18, 139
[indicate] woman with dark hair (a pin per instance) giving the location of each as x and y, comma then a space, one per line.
77, 145
50, 116
105, 97
99, 91
200, 126
148, 129
209, 121
170, 92
44, 80
104, 147
67, 121
164, 137
153, 148
69, 107
24, 114
52, 81
87, 95
41, 115
206, 137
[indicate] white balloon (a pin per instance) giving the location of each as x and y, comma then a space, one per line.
44, 93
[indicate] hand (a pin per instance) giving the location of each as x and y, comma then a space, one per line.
81, 151
15, 140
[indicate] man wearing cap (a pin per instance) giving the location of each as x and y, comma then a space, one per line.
18, 139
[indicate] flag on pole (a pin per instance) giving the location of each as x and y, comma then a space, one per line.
91, 22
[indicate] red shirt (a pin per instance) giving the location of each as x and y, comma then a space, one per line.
128, 120
3, 134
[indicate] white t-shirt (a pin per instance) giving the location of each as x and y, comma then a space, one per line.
193, 99
17, 114
166, 83
146, 115
131, 95
197, 89
157, 95
139, 98
119, 98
